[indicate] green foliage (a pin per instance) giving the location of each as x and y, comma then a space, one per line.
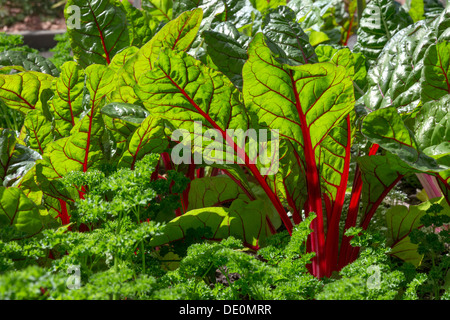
372, 276
62, 52
14, 42
432, 240
88, 177
278, 271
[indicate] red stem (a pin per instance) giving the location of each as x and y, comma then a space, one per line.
332, 240
352, 214
365, 224
314, 191
200, 172
350, 28
63, 214
191, 175
241, 153
167, 161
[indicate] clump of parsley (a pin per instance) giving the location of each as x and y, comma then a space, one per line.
433, 241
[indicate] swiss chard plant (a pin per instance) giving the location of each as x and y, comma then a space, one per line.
347, 124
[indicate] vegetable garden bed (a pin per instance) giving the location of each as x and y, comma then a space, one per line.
229, 149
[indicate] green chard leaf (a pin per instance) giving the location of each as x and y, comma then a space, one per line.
297, 101
380, 21
177, 35
435, 82
282, 30
19, 212
141, 25
67, 102
227, 49
386, 128
15, 158
29, 61
214, 191
102, 32
401, 221
39, 131
148, 138
395, 79
432, 131
81, 150
161, 10
23, 91
187, 93
245, 221
125, 111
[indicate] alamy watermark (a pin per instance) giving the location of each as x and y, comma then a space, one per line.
374, 280
213, 146
374, 21
74, 280
73, 12
73, 20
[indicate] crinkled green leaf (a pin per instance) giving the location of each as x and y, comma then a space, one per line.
297, 101
160, 10
148, 138
103, 31
281, 28
228, 52
67, 102
386, 128
125, 111
442, 25
141, 25
39, 131
245, 221
300, 7
432, 123
435, 82
380, 21
22, 91
19, 212
29, 61
395, 79
401, 220
432, 132
15, 158
177, 35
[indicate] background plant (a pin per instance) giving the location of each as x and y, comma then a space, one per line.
350, 120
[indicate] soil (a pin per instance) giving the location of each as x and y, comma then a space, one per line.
35, 23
